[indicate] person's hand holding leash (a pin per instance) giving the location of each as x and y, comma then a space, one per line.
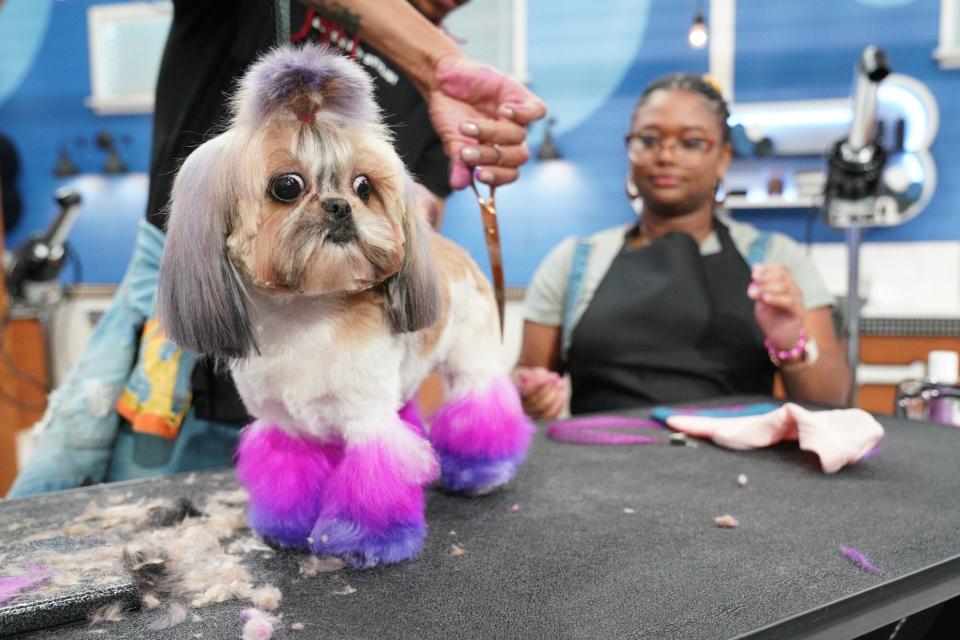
481, 116
479, 113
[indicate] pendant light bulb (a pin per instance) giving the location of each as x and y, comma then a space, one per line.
698, 32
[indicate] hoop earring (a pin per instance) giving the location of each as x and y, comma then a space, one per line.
720, 193
631, 187
633, 194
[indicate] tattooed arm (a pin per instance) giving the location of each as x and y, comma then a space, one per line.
397, 29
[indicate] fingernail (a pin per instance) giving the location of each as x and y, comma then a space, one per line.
459, 174
506, 111
470, 155
767, 297
470, 129
752, 289
485, 176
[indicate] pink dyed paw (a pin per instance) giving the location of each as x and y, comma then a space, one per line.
481, 439
284, 476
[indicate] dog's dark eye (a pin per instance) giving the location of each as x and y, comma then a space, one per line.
361, 187
286, 188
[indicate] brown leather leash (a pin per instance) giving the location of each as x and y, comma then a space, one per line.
491, 234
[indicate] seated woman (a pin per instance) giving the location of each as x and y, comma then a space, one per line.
685, 303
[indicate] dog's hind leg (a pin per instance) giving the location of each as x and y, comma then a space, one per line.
284, 476
481, 433
481, 437
373, 504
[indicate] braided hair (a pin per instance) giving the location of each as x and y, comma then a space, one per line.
694, 84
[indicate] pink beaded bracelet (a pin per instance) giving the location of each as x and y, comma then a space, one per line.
787, 355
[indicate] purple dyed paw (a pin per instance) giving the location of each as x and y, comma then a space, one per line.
362, 547
278, 531
477, 476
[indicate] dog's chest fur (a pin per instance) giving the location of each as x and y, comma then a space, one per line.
333, 360
320, 362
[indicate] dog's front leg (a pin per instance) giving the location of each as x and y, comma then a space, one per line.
373, 502
284, 475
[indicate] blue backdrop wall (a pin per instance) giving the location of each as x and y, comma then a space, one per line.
44, 79
589, 61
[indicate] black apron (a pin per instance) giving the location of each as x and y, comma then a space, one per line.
667, 325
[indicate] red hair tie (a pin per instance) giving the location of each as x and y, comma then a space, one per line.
307, 117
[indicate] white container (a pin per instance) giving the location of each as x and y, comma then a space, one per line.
942, 367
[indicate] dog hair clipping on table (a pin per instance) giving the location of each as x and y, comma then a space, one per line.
859, 559
258, 625
312, 565
166, 515
726, 521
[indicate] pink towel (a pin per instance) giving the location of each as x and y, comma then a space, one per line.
839, 437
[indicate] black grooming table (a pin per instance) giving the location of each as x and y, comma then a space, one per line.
619, 542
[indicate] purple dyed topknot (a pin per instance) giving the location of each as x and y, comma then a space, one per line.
268, 84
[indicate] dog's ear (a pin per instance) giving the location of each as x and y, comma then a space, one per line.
413, 293
201, 302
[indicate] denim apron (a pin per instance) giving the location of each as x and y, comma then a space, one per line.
82, 439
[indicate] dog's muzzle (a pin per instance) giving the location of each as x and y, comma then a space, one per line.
340, 220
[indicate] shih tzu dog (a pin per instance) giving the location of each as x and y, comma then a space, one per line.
295, 252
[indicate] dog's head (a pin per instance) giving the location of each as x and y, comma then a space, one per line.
304, 194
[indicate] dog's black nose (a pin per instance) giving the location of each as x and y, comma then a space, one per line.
340, 227
337, 209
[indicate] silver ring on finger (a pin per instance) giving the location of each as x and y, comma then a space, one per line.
496, 147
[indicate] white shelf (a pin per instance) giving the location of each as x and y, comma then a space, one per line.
772, 202
948, 58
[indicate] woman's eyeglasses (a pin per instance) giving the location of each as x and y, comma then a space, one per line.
688, 148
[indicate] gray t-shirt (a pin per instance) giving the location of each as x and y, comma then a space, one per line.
546, 295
